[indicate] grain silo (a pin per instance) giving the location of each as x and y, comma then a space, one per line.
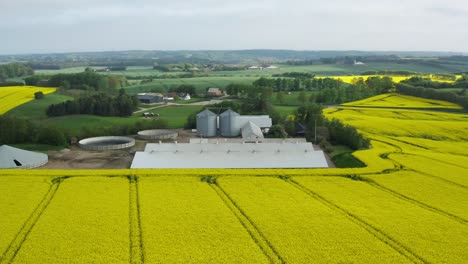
229, 124
207, 123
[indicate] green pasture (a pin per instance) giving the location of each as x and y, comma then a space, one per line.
36, 109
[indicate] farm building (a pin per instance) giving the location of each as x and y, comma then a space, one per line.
185, 97
232, 124
150, 98
229, 155
14, 158
170, 96
214, 92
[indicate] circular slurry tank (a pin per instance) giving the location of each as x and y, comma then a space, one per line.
158, 134
106, 143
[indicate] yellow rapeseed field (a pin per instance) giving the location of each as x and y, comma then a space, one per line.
402, 101
351, 79
13, 96
408, 205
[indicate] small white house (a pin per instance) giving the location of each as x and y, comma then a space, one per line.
359, 63
186, 97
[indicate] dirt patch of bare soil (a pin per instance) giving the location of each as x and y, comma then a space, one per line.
76, 158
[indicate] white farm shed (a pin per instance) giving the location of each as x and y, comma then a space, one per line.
14, 158
229, 155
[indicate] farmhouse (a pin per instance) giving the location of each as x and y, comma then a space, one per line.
169, 96
214, 92
185, 97
150, 98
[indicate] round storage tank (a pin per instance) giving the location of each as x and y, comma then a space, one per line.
106, 143
207, 123
229, 124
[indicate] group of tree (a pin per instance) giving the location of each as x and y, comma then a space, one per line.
184, 88
100, 104
123, 129
390, 72
87, 80
430, 93
15, 130
14, 70
318, 129
360, 89
295, 75
346, 135
297, 83
429, 83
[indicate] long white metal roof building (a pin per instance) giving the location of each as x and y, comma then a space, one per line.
230, 155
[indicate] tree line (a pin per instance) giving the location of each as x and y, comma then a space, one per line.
360, 89
431, 93
87, 80
428, 83
14, 70
15, 130
99, 104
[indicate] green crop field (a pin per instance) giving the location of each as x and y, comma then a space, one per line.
176, 117
200, 83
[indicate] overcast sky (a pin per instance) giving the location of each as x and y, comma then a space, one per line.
33, 26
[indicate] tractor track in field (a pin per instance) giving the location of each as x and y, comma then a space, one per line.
136, 233
257, 236
417, 202
376, 232
15, 245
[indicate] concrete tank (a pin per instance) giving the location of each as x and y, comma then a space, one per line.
229, 124
207, 123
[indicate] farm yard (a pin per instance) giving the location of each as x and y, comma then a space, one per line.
408, 205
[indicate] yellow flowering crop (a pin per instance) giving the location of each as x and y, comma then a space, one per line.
302, 228
13, 96
408, 205
422, 234
402, 101
87, 221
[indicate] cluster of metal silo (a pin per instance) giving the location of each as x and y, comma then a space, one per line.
229, 124
207, 123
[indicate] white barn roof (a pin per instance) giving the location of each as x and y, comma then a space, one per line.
230, 155
251, 131
12, 158
260, 120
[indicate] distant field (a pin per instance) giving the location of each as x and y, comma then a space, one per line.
402, 101
201, 83
285, 110
176, 115
290, 99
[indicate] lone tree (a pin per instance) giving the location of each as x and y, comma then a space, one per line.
38, 95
